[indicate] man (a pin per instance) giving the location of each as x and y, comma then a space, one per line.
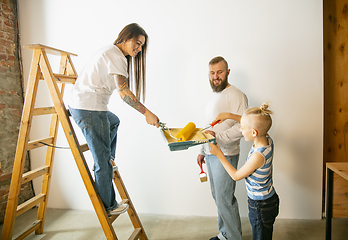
226, 98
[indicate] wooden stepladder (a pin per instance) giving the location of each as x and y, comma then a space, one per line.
41, 70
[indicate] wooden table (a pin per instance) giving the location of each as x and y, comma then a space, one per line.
341, 168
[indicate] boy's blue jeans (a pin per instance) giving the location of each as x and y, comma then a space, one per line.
222, 188
262, 214
100, 131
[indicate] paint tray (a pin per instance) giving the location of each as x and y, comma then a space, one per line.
196, 138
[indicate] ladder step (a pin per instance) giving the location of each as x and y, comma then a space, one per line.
33, 174
37, 144
49, 140
84, 147
64, 78
30, 204
113, 217
124, 201
44, 111
29, 230
136, 233
61, 78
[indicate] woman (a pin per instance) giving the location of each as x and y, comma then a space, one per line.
112, 67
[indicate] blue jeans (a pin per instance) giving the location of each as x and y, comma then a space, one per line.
100, 131
222, 188
262, 215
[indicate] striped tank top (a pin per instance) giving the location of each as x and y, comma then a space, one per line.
259, 184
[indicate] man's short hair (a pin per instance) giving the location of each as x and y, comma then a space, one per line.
217, 60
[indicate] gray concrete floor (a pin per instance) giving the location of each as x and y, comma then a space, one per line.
82, 225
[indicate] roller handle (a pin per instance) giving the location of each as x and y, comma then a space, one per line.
213, 124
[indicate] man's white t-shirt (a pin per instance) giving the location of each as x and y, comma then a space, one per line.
228, 133
96, 82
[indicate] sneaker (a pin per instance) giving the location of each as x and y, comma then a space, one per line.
215, 238
121, 208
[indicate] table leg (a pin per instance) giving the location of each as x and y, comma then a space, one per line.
329, 193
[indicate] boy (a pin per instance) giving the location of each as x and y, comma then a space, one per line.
263, 201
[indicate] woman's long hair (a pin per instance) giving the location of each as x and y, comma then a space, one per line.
136, 65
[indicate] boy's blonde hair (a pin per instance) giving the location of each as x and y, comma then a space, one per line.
260, 118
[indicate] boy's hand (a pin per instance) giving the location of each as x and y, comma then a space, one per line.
211, 133
215, 149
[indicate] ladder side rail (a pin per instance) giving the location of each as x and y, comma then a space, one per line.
21, 151
46, 180
70, 68
74, 146
131, 211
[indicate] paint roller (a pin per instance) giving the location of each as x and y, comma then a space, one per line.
186, 132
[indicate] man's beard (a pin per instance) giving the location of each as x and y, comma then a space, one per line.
219, 88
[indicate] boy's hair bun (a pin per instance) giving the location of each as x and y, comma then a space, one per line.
264, 109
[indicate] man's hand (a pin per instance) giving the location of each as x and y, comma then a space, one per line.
226, 115
200, 159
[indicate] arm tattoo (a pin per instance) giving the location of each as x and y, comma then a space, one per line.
122, 82
132, 101
128, 96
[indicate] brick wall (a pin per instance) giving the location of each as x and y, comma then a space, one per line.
11, 101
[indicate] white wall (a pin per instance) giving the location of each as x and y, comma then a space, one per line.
274, 49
